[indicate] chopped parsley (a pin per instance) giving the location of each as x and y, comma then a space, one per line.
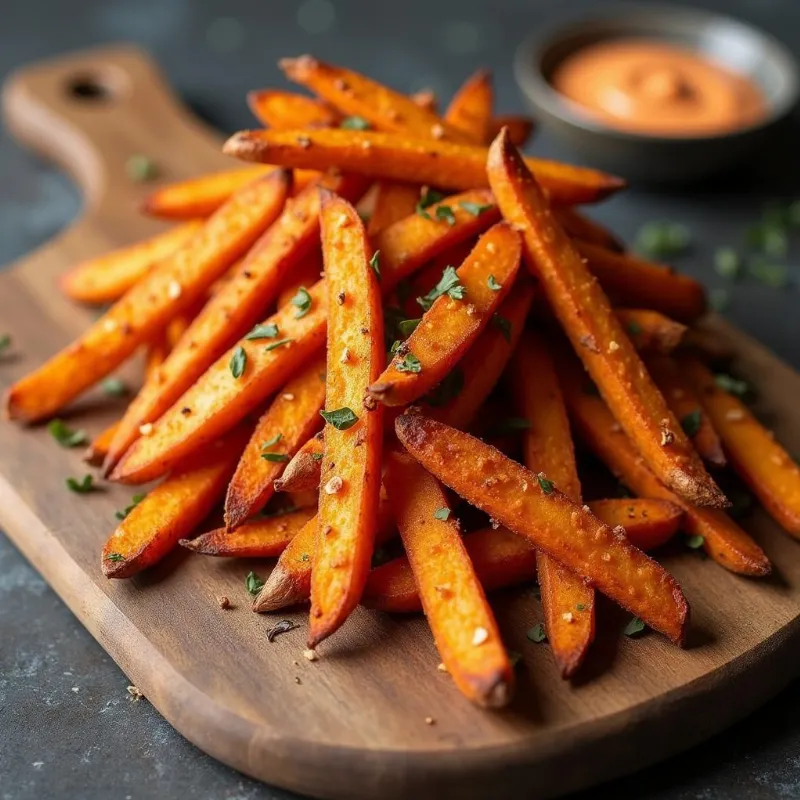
135, 500
504, 325
267, 455
317, 456
268, 331
409, 363
302, 301
375, 263
407, 326
493, 284
5, 342
663, 239
537, 634
115, 557
141, 169
732, 385
442, 513
280, 458
355, 123
115, 387
695, 542
581, 607
445, 214
83, 486
545, 485
727, 263
253, 583
279, 343
691, 423
340, 418
475, 208
64, 435
449, 284
634, 627
428, 198
238, 362
272, 442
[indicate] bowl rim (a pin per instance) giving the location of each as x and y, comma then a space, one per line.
541, 93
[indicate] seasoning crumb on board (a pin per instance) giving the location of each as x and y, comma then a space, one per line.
224, 602
135, 693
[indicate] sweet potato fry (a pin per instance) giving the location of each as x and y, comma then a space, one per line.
393, 202
306, 499
292, 417
356, 95
723, 539
502, 559
581, 227
353, 435
567, 602
632, 281
683, 400
651, 331
597, 336
519, 128
171, 288
106, 278
532, 507
258, 538
234, 308
303, 470
468, 298
470, 110
97, 450
276, 109
304, 274
771, 473
396, 156
173, 509
463, 626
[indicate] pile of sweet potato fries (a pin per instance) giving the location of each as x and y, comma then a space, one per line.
267, 313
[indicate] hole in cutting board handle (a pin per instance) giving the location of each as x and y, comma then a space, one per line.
96, 87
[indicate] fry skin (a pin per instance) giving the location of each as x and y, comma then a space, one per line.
650, 331
519, 128
450, 326
770, 472
276, 109
470, 110
502, 559
303, 471
172, 509
580, 227
532, 508
97, 450
724, 540
463, 625
351, 472
595, 332
292, 417
567, 602
168, 290
393, 202
304, 274
399, 157
106, 278
679, 393
258, 538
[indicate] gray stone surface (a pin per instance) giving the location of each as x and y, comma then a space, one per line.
67, 726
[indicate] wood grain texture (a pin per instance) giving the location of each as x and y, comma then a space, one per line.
354, 726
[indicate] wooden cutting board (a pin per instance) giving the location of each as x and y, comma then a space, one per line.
353, 724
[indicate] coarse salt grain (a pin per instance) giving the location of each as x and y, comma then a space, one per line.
174, 290
146, 429
310, 655
334, 485
479, 636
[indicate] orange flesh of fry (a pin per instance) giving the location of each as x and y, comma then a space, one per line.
276, 109
356, 95
351, 471
450, 326
260, 538
302, 275
514, 496
470, 110
650, 331
634, 282
106, 278
173, 509
724, 540
580, 227
393, 202
502, 559
685, 404
293, 416
398, 157
458, 613
305, 499
97, 450
567, 602
519, 128
770, 472
304, 469
595, 332
169, 289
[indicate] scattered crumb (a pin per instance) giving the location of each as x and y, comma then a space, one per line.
146, 429
223, 601
288, 396
441, 667
568, 617
174, 290
334, 485
135, 693
345, 355
479, 636
667, 436
304, 142
613, 347
430, 721
297, 680
437, 131
296, 663
734, 414
310, 655
586, 509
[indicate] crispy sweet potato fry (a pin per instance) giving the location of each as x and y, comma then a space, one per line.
724, 540
398, 157
567, 602
587, 230
651, 331
97, 450
470, 110
771, 473
306, 499
597, 336
303, 470
304, 274
351, 472
171, 288
683, 400
451, 325
356, 95
106, 278
258, 538
632, 281
532, 507
463, 626
502, 559
276, 109
292, 417
173, 509
393, 202
519, 128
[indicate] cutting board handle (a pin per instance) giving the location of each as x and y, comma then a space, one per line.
92, 111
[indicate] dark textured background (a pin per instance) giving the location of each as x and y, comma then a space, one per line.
67, 726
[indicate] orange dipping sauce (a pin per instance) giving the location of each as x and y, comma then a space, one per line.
653, 87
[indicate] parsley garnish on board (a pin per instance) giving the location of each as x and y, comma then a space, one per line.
449, 284
238, 362
83, 486
135, 500
340, 418
428, 198
140, 168
268, 331
64, 435
691, 423
253, 583
409, 363
355, 123
537, 634
115, 387
302, 301
634, 627
442, 513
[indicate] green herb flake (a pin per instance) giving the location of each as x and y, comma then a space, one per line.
302, 300
5, 342
272, 442
428, 198
476, 209
581, 607
768, 238
719, 299
449, 284
65, 436
268, 331
448, 388
238, 362
135, 500
409, 363
691, 423
280, 458
253, 583
732, 385
279, 343
663, 239
396, 345
545, 485
304, 557
407, 326
317, 456
340, 418
776, 276
375, 264
355, 123
634, 627
514, 658
445, 214
83, 486
695, 542
727, 263
442, 513
504, 325
141, 169
115, 387
493, 284
115, 557
537, 634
